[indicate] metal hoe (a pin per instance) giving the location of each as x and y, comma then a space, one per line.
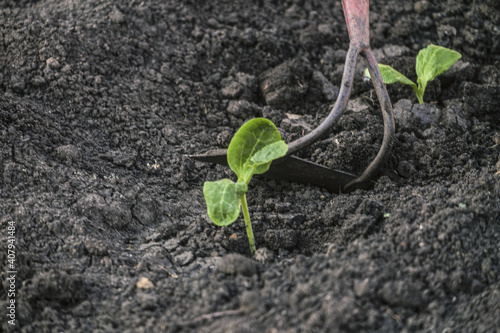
298, 170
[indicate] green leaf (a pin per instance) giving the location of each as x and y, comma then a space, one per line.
268, 154
223, 205
248, 140
390, 75
433, 61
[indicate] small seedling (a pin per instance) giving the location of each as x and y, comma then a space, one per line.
432, 61
254, 146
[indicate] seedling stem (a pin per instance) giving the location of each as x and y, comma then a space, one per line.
248, 223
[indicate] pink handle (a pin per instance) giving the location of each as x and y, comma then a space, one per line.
356, 14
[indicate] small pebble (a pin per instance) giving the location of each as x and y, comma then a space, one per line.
144, 283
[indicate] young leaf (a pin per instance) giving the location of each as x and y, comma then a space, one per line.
248, 140
433, 61
223, 205
269, 153
390, 75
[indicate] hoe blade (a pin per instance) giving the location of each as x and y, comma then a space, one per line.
293, 169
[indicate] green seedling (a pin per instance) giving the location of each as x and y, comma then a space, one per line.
254, 146
432, 61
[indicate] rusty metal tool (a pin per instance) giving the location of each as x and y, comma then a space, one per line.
298, 170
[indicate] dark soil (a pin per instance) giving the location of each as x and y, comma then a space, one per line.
101, 102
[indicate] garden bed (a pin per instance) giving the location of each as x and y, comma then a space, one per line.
102, 101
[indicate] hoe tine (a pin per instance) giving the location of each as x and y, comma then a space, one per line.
356, 13
388, 116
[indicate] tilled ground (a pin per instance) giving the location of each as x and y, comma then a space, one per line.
101, 102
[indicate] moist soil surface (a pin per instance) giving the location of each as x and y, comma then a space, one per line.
102, 101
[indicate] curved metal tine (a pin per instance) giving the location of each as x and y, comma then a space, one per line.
338, 107
388, 116
356, 13
330, 120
